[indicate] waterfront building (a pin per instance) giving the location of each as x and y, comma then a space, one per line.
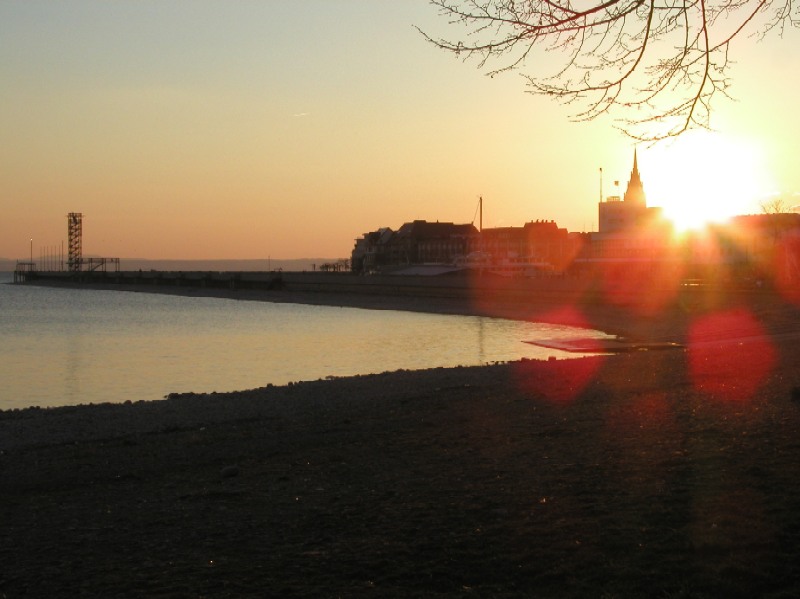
624, 214
635, 247
767, 245
628, 228
414, 243
537, 248
368, 252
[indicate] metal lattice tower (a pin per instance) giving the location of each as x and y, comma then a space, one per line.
74, 240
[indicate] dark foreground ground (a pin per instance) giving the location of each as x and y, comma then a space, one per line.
670, 473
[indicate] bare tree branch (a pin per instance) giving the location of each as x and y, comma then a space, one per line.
775, 206
655, 65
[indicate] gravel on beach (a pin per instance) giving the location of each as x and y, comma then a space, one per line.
672, 473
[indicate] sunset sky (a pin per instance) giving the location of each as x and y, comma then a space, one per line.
199, 129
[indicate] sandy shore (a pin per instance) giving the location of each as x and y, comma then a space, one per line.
673, 473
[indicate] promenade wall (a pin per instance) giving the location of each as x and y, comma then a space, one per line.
464, 285
458, 285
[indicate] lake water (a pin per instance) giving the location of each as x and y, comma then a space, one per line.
76, 346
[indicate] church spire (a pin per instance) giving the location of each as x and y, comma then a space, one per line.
635, 189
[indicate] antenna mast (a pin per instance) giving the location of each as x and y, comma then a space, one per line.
601, 184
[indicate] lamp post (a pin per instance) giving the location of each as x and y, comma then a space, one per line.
31, 252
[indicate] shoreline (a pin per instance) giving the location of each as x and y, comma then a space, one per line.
673, 473
614, 474
631, 318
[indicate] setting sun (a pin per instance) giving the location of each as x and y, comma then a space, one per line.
705, 177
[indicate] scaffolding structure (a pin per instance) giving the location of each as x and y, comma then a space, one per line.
74, 241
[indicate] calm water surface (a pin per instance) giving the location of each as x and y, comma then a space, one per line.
73, 346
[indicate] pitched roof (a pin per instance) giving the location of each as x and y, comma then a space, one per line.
420, 229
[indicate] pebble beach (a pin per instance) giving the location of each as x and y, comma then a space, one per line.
669, 473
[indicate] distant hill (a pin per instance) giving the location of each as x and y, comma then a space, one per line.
298, 264
7, 265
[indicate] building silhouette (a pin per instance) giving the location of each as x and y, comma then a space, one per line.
634, 243
629, 212
627, 228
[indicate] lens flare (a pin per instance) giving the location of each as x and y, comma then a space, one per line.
729, 354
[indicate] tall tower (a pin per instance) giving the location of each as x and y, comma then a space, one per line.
74, 240
634, 193
615, 215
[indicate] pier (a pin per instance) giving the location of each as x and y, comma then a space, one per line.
52, 266
466, 285
24, 271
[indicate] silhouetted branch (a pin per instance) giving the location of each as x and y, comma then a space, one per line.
656, 65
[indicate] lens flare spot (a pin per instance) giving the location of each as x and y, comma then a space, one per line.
729, 355
645, 289
558, 381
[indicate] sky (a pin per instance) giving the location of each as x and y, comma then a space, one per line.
283, 129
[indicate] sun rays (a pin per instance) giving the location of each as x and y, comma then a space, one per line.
706, 177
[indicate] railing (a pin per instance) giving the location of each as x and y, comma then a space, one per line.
23, 271
93, 264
